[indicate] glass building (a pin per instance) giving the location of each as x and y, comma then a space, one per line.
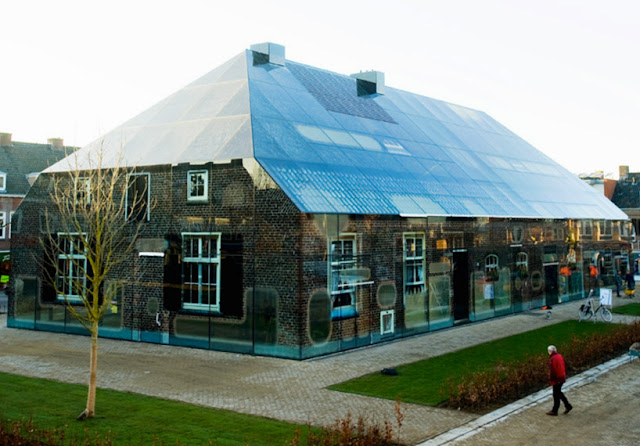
295, 212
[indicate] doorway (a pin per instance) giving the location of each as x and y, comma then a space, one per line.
460, 285
551, 283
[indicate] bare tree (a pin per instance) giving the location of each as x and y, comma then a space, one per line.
92, 228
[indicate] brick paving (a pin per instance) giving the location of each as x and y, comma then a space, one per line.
293, 391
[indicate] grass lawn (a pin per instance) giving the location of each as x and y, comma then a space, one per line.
421, 382
133, 419
632, 309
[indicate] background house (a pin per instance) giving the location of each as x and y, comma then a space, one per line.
20, 165
626, 196
301, 212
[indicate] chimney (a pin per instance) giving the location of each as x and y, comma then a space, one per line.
369, 82
268, 52
56, 143
623, 172
5, 139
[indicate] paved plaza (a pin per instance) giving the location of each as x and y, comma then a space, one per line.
606, 401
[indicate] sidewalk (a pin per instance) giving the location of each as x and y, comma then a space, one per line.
288, 390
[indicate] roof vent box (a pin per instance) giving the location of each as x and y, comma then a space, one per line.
369, 82
268, 52
5, 139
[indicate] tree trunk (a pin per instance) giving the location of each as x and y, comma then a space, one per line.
93, 370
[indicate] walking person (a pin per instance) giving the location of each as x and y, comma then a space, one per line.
557, 377
618, 279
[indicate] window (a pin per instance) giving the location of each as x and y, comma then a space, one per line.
197, 185
587, 228
9, 224
3, 182
387, 324
3, 224
623, 228
342, 258
522, 264
72, 266
606, 228
82, 188
517, 234
201, 271
414, 264
491, 265
138, 197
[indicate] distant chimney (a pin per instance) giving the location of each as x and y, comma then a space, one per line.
624, 172
5, 139
369, 82
56, 143
268, 52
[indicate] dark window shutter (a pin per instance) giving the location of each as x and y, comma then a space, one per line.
231, 288
49, 270
172, 298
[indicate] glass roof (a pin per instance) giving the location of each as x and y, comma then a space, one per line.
334, 151
400, 153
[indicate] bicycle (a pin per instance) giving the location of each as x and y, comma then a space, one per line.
587, 311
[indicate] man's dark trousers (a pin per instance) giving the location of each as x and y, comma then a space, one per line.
557, 397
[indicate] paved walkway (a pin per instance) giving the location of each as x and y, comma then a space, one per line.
288, 390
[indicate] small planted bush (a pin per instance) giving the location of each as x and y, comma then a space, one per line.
354, 432
25, 433
505, 383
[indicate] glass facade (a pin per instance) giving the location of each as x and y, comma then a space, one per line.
245, 271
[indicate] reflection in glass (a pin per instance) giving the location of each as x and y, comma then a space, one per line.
439, 298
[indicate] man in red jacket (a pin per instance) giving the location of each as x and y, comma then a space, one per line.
557, 377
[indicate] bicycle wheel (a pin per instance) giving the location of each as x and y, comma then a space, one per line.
585, 313
606, 315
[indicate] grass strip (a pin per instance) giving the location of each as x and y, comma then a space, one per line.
134, 419
632, 309
422, 382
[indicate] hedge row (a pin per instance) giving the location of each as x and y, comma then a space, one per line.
482, 391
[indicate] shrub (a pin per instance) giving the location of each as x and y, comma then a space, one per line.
25, 433
350, 432
508, 382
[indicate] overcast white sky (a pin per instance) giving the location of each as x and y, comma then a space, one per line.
564, 75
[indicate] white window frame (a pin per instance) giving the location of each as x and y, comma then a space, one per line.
492, 263
387, 322
82, 190
148, 175
205, 185
623, 228
522, 260
9, 224
587, 224
414, 261
202, 262
606, 228
336, 264
3, 224
3, 182
72, 257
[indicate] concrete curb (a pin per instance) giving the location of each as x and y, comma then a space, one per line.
476, 426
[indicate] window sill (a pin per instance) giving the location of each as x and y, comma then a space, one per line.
199, 312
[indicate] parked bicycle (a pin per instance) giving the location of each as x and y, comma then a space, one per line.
588, 309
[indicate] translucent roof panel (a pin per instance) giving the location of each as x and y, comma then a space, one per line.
401, 153
208, 120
